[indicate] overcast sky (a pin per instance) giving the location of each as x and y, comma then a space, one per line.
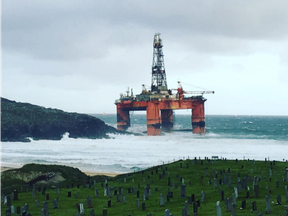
79, 56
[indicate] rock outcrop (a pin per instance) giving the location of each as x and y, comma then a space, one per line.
22, 120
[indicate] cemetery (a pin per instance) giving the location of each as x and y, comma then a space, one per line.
195, 186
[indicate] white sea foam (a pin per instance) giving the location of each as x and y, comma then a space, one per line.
125, 153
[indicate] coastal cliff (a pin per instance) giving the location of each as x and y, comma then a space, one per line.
22, 120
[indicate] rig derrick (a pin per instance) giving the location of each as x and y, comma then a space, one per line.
159, 102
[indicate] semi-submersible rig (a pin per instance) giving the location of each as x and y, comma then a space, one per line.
159, 102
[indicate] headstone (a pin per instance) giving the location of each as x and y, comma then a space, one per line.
233, 209
69, 194
124, 199
277, 184
45, 205
92, 213
202, 196
228, 204
137, 203
105, 212
36, 203
254, 206
233, 198
15, 193
222, 195
243, 205
33, 193
161, 200
183, 191
109, 204
218, 209
55, 204
81, 209
167, 213
47, 196
195, 208
12, 209
8, 203
268, 205
18, 210
236, 192
279, 200
186, 209
143, 206
96, 192
215, 183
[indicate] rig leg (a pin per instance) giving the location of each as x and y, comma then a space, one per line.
167, 120
123, 119
198, 119
153, 119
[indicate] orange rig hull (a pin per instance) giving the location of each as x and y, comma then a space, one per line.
159, 114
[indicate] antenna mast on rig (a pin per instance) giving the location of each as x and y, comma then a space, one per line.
159, 81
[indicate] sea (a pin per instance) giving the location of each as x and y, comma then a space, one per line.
231, 137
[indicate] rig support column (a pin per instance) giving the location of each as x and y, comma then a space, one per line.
198, 118
153, 119
167, 120
123, 119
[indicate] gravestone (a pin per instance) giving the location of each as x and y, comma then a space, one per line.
254, 206
195, 208
186, 209
277, 184
118, 198
202, 196
279, 200
12, 210
236, 192
18, 210
143, 206
233, 209
137, 203
167, 213
81, 209
47, 196
243, 204
124, 199
161, 200
228, 205
183, 191
268, 205
69, 194
92, 213
215, 183
218, 209
15, 193
233, 198
109, 204
286, 193
8, 202
105, 212
45, 205
55, 204
36, 203
96, 192
33, 193
222, 195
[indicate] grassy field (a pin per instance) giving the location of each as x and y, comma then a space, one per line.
196, 175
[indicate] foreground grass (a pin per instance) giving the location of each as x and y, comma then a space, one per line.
196, 175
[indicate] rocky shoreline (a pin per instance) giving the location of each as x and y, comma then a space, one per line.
22, 120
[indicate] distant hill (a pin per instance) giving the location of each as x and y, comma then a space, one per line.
22, 120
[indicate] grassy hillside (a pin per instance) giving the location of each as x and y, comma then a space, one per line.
196, 175
22, 120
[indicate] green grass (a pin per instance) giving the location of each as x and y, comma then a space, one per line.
193, 173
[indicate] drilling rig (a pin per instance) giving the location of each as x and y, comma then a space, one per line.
159, 102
